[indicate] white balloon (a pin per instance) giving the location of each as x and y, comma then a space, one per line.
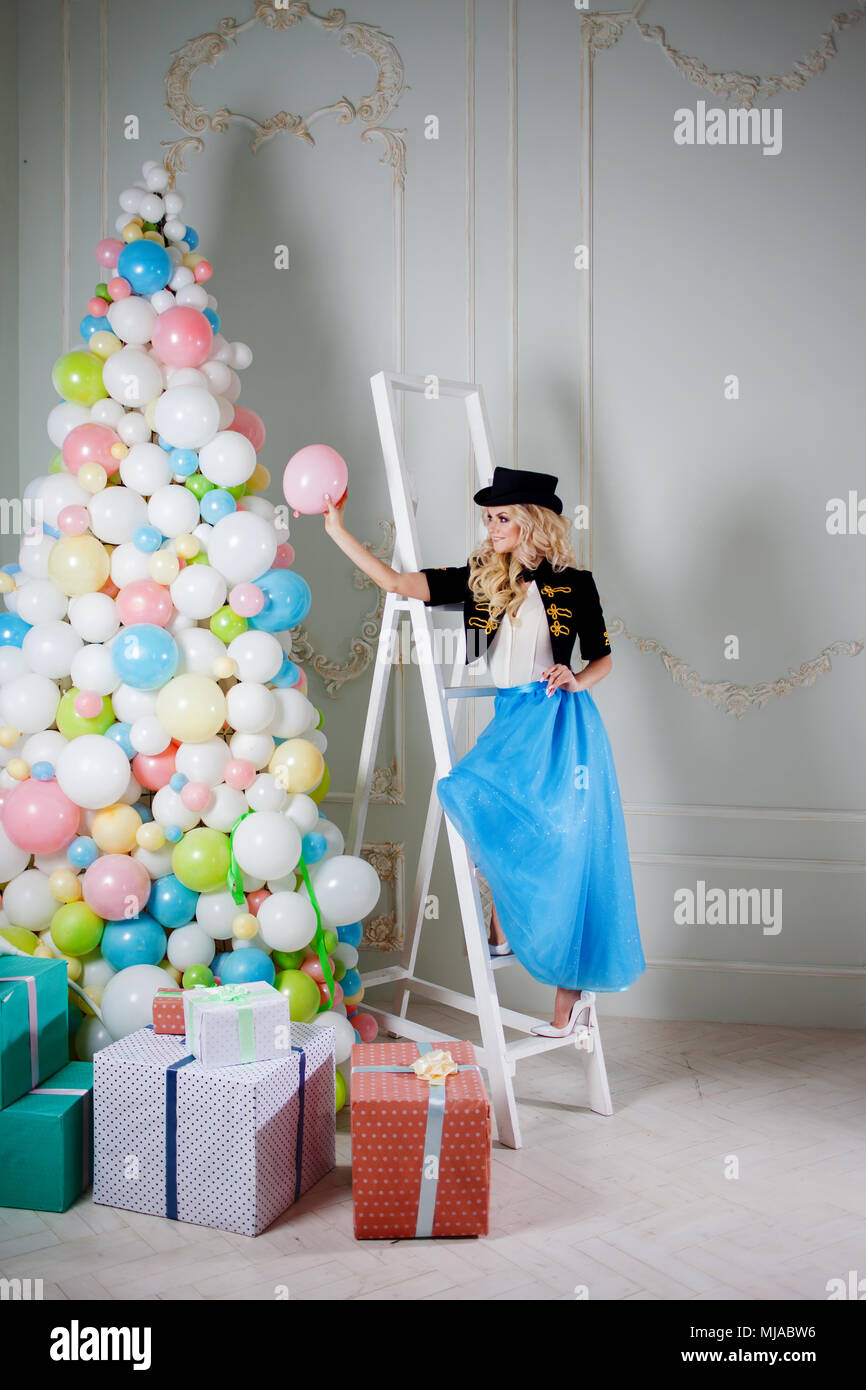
94, 617
168, 809
346, 888
345, 1033
13, 663
199, 591
189, 945
218, 374
107, 412
196, 296
28, 901
156, 861
268, 844
304, 812
333, 834
252, 748
49, 863
250, 707
29, 703
185, 376
318, 739
91, 1037
130, 704
132, 377
132, 319
40, 601
128, 564
50, 649
242, 547
203, 762
263, 508
286, 921
266, 794
116, 514
148, 736
228, 459
127, 1000
44, 748
173, 510
197, 649
57, 491
33, 554
13, 860
293, 715
215, 913
258, 655
133, 428
93, 771
93, 669
186, 416
63, 418
145, 469
242, 356
347, 954
224, 808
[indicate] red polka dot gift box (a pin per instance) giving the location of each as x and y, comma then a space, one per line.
421, 1141
168, 1011
229, 1147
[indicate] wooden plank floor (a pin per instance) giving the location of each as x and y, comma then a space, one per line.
634, 1205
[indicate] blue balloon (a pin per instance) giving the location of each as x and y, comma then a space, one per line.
144, 811
287, 675
171, 902
184, 462
351, 983
213, 319
246, 965
216, 504
190, 236
287, 601
82, 852
138, 941
351, 934
148, 539
90, 324
146, 265
13, 630
119, 732
164, 443
145, 656
218, 961
313, 846
43, 772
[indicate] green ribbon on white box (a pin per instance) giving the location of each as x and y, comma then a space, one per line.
202, 1001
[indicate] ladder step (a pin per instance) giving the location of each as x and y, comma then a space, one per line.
467, 692
386, 976
528, 1047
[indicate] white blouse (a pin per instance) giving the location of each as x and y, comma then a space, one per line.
519, 654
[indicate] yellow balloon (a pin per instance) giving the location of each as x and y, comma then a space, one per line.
259, 479
44, 952
191, 708
150, 835
17, 768
187, 546
171, 970
115, 829
73, 967
92, 477
245, 926
155, 236
64, 886
9, 736
224, 668
132, 231
297, 765
164, 567
78, 565
104, 344
7, 583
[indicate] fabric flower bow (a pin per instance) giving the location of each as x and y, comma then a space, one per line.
435, 1066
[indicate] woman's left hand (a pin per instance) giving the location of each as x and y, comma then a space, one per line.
560, 678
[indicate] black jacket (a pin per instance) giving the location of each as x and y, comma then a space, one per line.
570, 600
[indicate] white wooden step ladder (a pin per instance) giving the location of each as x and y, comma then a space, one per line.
443, 704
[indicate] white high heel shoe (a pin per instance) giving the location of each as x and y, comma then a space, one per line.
547, 1030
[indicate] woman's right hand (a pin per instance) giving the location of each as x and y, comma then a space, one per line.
334, 515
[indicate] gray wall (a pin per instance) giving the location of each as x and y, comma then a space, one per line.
708, 514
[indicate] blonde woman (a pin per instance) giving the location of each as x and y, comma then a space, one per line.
536, 799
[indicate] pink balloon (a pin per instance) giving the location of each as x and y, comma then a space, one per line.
90, 444
87, 704
119, 288
97, 307
39, 817
239, 773
144, 601
155, 770
250, 425
312, 966
195, 796
182, 336
202, 270
284, 557
246, 600
255, 900
300, 683
310, 473
116, 887
108, 250
73, 521
367, 1026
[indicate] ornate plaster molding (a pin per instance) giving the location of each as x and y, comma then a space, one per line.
358, 39
386, 930
600, 30
724, 695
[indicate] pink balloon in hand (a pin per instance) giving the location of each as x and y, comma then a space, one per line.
309, 474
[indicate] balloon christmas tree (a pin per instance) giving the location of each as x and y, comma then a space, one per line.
161, 763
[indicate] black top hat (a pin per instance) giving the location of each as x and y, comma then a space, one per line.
518, 485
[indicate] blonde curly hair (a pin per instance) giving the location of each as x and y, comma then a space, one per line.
493, 575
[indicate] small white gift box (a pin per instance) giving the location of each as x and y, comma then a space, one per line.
226, 1025
229, 1147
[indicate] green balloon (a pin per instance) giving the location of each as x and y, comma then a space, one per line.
302, 993
77, 376
227, 625
340, 968
330, 940
22, 938
237, 491
321, 717
287, 960
101, 292
197, 977
200, 559
198, 485
71, 725
201, 860
341, 1090
56, 464
76, 929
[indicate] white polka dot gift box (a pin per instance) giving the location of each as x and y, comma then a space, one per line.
421, 1140
226, 1025
228, 1147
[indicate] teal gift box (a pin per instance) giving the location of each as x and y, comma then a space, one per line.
46, 1142
34, 1023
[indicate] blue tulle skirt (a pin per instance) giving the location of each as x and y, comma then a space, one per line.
537, 802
